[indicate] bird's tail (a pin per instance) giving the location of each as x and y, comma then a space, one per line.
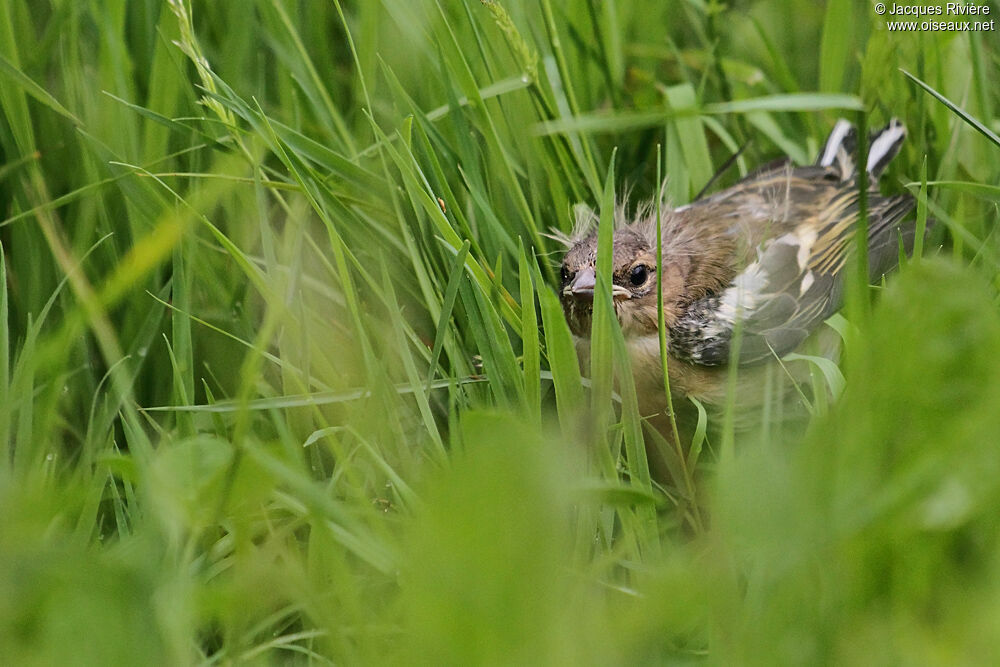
841, 146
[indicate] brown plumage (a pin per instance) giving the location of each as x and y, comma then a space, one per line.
766, 255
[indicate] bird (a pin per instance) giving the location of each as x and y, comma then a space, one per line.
765, 257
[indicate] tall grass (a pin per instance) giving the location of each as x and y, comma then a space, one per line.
283, 376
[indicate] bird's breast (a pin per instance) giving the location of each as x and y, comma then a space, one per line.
703, 383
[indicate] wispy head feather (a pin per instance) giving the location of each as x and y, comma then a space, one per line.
642, 219
584, 222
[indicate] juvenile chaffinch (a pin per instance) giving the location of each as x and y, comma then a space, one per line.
769, 253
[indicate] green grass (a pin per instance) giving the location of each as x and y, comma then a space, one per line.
283, 376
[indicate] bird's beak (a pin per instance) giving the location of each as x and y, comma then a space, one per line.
583, 284
620, 293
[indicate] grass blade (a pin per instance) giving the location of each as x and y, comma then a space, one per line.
957, 110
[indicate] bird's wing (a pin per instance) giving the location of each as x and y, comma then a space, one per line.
794, 283
802, 223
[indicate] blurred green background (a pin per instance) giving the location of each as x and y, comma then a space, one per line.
283, 377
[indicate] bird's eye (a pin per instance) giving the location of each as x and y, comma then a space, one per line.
639, 275
564, 274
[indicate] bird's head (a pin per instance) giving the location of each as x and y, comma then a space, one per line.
633, 282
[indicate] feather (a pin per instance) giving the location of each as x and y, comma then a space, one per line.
795, 280
839, 148
884, 146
